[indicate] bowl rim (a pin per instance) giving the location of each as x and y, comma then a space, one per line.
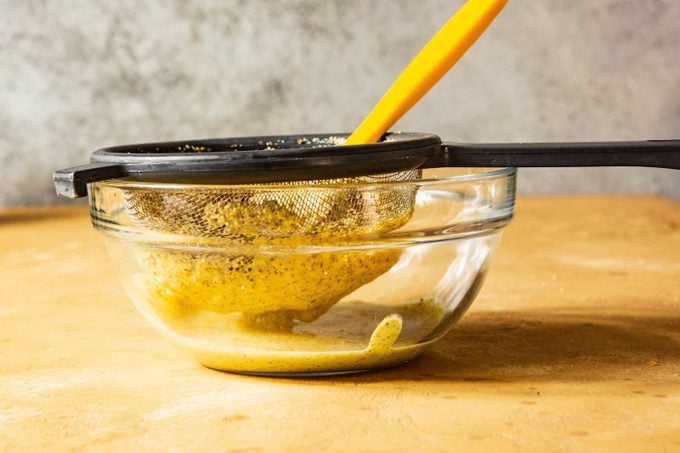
481, 175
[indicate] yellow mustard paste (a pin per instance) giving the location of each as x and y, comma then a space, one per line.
269, 290
251, 311
350, 336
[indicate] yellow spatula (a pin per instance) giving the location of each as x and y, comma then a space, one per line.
425, 70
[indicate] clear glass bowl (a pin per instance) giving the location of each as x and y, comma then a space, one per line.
246, 286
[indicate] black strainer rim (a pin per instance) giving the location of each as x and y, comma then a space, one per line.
247, 160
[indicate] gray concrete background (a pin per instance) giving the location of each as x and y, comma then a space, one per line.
79, 75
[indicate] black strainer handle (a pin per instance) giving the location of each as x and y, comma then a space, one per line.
649, 153
72, 182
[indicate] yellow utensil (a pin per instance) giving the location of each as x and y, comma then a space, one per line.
425, 70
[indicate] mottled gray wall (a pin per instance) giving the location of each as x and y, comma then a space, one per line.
78, 75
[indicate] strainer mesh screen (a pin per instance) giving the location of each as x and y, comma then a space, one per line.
315, 209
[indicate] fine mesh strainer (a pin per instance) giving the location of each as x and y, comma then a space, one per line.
308, 164
312, 162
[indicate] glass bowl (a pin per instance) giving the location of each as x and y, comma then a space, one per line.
246, 285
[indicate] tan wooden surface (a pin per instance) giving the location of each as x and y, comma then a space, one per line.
573, 344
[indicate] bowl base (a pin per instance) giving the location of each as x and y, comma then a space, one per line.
306, 364
312, 374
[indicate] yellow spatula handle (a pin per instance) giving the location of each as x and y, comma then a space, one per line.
425, 70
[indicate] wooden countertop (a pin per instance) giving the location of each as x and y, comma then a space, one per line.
573, 344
